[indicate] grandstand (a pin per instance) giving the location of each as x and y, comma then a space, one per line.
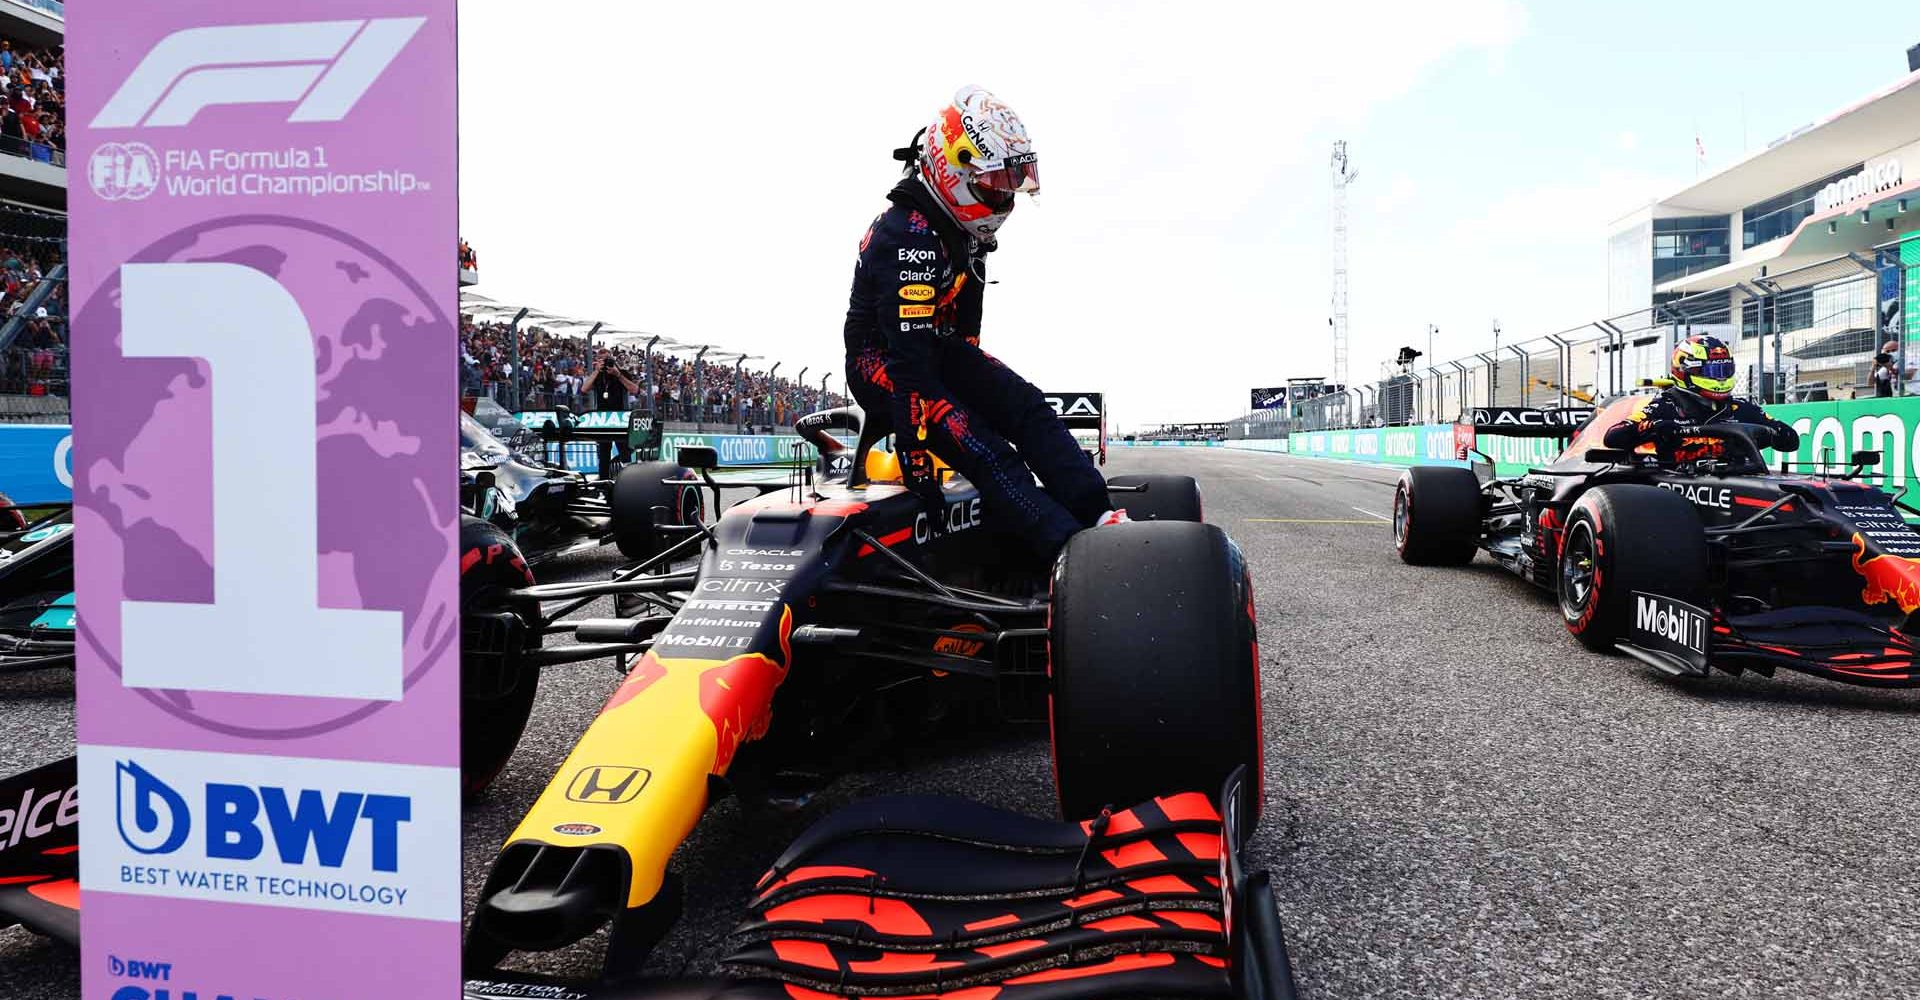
554, 356
33, 224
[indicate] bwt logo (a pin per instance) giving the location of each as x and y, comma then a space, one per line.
154, 818
133, 968
324, 65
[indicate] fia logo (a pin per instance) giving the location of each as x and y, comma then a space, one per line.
123, 171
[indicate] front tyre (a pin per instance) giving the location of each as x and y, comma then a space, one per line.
1621, 539
1154, 659
1436, 516
497, 685
637, 490
1164, 498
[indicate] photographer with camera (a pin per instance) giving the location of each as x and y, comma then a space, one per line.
608, 386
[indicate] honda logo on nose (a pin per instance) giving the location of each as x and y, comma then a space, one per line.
324, 65
607, 785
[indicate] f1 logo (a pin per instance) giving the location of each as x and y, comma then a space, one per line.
325, 65
607, 785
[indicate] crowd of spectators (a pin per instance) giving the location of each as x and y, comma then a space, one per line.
35, 363
33, 101
556, 370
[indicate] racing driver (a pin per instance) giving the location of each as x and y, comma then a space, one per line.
913, 332
1702, 393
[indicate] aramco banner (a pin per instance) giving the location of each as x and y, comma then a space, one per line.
265, 475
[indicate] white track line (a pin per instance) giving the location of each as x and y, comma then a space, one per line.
1369, 513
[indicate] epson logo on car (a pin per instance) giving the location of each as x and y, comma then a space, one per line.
1670, 621
1719, 497
244, 822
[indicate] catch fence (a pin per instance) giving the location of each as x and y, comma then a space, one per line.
1807, 334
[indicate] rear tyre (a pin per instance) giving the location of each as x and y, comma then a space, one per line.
1167, 498
1436, 516
1620, 539
496, 684
1154, 660
637, 490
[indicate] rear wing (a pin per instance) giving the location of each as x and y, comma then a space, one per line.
1082, 411
1528, 421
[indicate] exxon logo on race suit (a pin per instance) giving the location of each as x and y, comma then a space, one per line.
243, 822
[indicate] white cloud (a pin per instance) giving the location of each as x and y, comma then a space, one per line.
705, 170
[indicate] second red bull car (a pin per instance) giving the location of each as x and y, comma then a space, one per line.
1714, 563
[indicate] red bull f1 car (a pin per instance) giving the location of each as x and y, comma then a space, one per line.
775, 646
1716, 562
828, 613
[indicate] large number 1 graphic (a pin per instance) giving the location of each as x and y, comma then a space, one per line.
265, 632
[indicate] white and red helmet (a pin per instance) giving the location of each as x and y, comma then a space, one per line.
975, 158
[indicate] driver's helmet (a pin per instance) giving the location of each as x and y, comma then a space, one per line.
974, 158
1704, 364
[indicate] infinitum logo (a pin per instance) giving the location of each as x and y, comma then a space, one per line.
324, 65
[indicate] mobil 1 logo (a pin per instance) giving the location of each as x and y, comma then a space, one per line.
1676, 628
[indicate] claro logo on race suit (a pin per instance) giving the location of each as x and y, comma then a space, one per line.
244, 822
1719, 497
326, 66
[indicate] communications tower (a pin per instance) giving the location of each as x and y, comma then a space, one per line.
1343, 175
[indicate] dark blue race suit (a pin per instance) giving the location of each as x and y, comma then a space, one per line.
914, 360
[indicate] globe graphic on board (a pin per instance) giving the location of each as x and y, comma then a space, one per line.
384, 429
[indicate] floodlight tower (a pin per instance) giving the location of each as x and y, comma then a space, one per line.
1343, 175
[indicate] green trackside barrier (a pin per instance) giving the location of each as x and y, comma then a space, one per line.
1829, 432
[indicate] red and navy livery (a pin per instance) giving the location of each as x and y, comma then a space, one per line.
1683, 548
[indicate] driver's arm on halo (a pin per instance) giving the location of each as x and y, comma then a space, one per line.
1783, 437
1641, 425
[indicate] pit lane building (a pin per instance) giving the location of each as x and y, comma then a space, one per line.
1742, 249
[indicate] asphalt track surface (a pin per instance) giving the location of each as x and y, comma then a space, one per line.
1461, 801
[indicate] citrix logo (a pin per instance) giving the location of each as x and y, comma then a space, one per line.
324, 65
232, 815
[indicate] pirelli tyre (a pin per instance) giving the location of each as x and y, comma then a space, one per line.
1621, 539
1436, 516
496, 683
1165, 498
1153, 654
637, 490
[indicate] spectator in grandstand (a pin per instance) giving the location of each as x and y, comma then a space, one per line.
913, 329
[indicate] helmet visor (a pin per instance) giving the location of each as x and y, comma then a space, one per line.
1718, 369
996, 185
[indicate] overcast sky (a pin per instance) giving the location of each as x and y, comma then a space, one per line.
705, 171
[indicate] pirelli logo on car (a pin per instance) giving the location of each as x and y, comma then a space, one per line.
605, 784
